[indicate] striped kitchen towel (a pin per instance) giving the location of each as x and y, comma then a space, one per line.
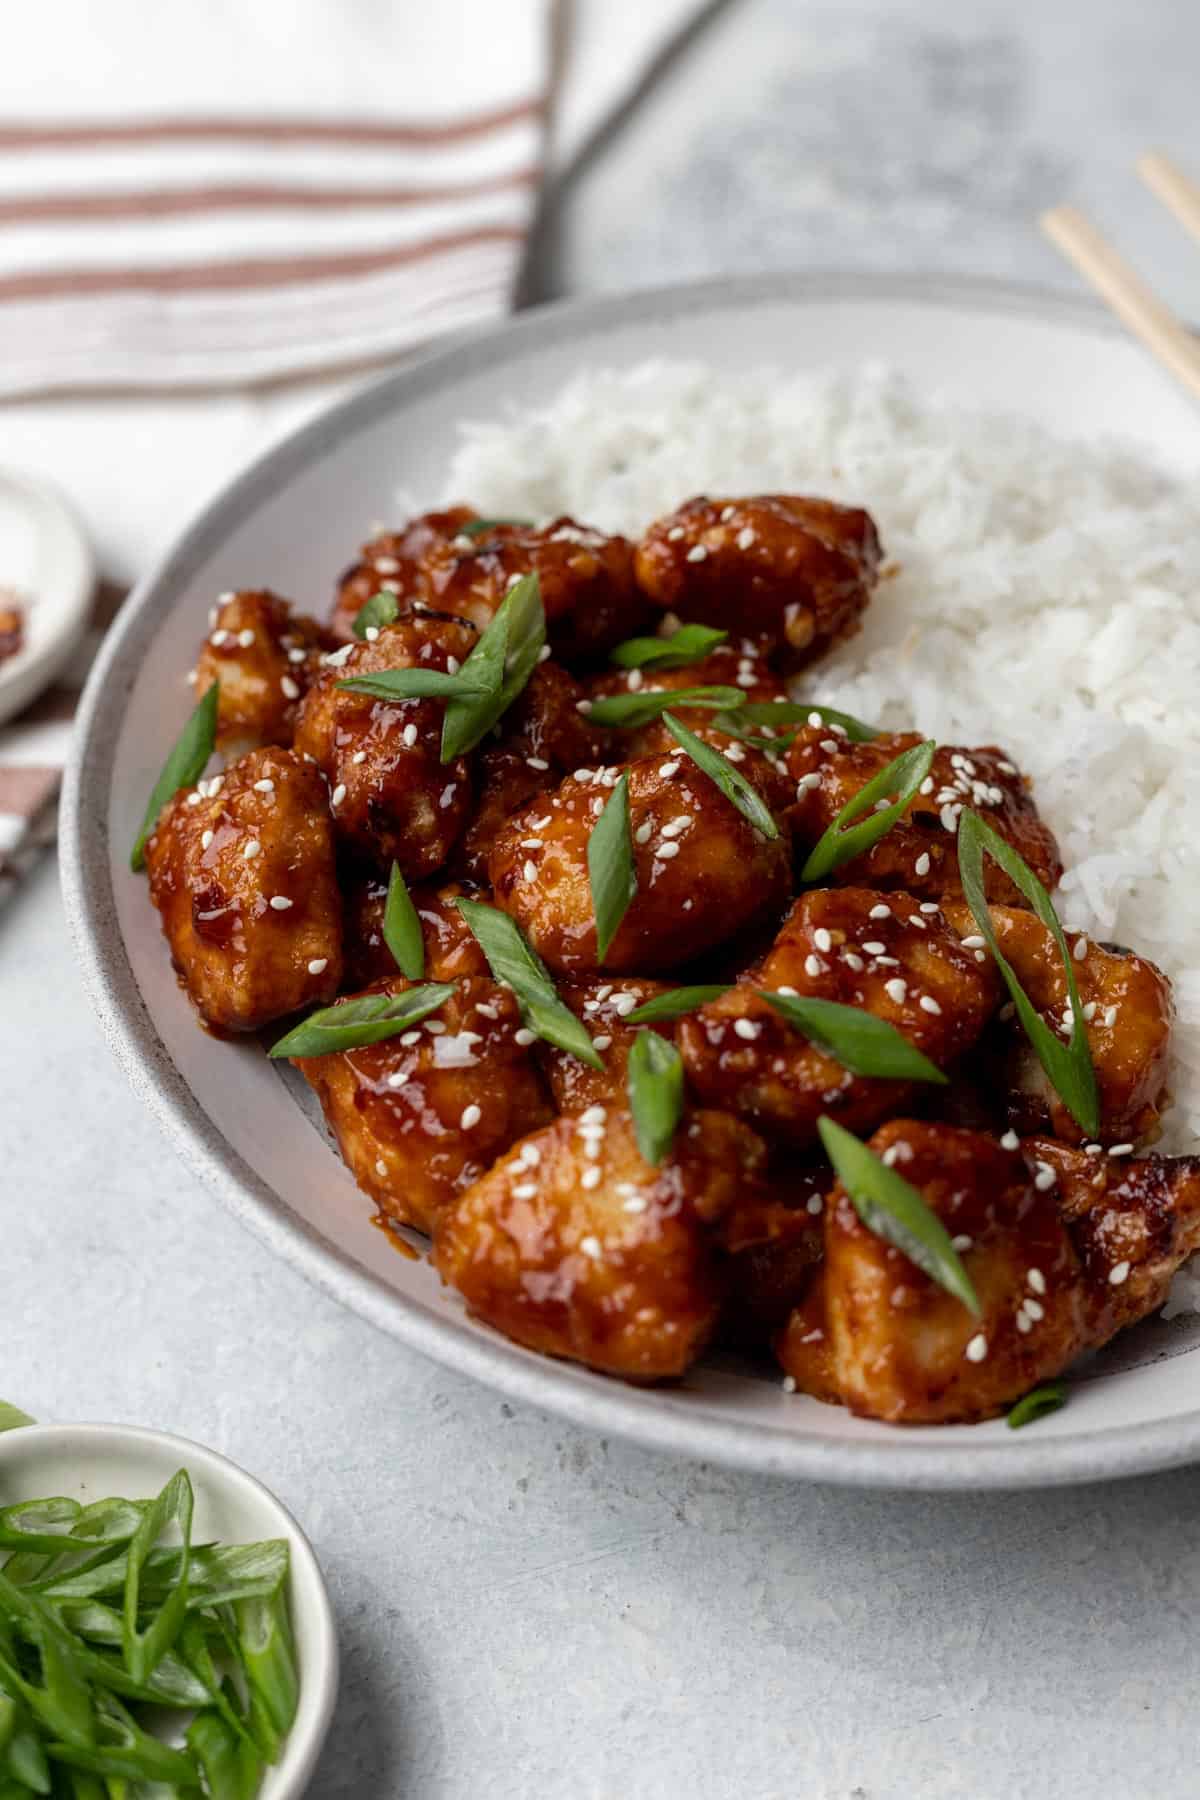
217, 198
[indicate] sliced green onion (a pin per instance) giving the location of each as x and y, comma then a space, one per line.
61, 1703
857, 1039
631, 710
185, 764
892, 1208
380, 610
654, 1080
349, 1024
691, 643
611, 869
25, 1759
219, 1574
800, 712
402, 928
11, 1417
269, 1657
1068, 1066
413, 684
512, 960
219, 1752
736, 789
675, 1004
477, 527
144, 1649
844, 840
500, 665
1037, 1403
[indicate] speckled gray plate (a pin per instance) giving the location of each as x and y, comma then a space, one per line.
289, 522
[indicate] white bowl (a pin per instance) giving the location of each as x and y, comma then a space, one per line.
90, 1462
47, 560
288, 523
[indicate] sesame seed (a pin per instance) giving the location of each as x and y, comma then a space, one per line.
594, 1115
1010, 1141
1034, 1308
1044, 1177
206, 838
814, 1205
928, 1004
634, 1204
874, 948
667, 769
452, 665
926, 786
745, 537
318, 965
387, 565
602, 1042
583, 706
1036, 1280
880, 912
973, 943
532, 843
434, 1027
218, 638
929, 906
697, 554
788, 1384
666, 851
281, 903
1024, 1322
1110, 1016
1081, 949
791, 992
289, 688
961, 1243
591, 1179
525, 1190
537, 762
524, 1037
921, 866
471, 1116
949, 818
624, 1004
896, 990
853, 962
822, 939
529, 871
296, 656
813, 965
918, 924
829, 745
409, 736
359, 757
530, 1156
977, 1348
746, 1028
338, 794
1093, 1149
337, 658
265, 786
1120, 1149
1118, 1275
245, 638
675, 533
251, 849
673, 827
397, 1079
807, 783
409, 1038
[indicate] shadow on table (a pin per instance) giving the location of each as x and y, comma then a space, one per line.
372, 1751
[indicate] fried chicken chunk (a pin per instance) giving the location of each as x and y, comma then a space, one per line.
577, 1247
420, 1116
603, 1007
774, 1238
242, 873
794, 573
393, 799
1132, 1222
881, 952
900, 1347
265, 656
920, 852
451, 949
703, 871
544, 734
1127, 1009
405, 563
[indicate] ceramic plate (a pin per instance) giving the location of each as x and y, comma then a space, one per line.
46, 563
290, 522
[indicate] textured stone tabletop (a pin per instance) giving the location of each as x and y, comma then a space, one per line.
525, 1609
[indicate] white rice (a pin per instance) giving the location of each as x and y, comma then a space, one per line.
1048, 600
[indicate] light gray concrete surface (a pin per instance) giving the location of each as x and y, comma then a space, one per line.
525, 1609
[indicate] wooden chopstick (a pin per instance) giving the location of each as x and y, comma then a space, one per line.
1124, 290
1173, 188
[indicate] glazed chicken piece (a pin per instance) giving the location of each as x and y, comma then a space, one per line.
603, 1006
895, 957
393, 799
774, 1239
242, 872
1133, 1222
586, 582
405, 563
543, 735
902, 1349
265, 657
451, 949
733, 666
920, 852
703, 871
795, 574
420, 1116
1128, 1012
577, 1247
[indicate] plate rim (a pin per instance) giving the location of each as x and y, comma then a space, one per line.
653, 1418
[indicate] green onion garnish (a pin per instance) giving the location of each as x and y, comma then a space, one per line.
736, 789
675, 1004
413, 684
1037, 1403
611, 870
512, 960
402, 928
892, 1208
654, 1080
628, 711
381, 609
1068, 1066
857, 1039
183, 766
477, 527
349, 1024
844, 840
12, 1416
143, 1649
691, 643
801, 712
500, 665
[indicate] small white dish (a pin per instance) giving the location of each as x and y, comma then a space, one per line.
90, 1462
45, 559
